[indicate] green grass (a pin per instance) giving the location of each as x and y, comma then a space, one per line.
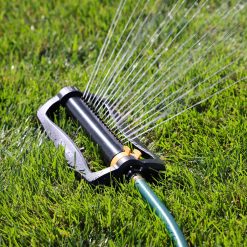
45, 45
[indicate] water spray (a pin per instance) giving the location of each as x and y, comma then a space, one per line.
133, 162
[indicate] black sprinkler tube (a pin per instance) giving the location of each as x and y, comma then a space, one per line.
107, 142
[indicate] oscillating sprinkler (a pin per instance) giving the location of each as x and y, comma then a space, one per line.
134, 163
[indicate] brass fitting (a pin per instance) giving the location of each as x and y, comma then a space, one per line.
126, 152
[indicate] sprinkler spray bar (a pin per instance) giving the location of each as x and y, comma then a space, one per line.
135, 164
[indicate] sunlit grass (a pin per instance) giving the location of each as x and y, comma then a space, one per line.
45, 45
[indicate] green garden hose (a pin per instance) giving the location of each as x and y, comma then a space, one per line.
161, 211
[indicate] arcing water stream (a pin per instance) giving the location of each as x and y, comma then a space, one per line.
165, 61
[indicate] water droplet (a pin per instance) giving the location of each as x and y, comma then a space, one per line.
154, 38
241, 6
135, 65
170, 16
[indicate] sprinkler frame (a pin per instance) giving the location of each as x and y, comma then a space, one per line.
123, 162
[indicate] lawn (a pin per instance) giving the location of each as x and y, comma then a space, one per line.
46, 45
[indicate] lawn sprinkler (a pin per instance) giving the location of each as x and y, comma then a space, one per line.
134, 162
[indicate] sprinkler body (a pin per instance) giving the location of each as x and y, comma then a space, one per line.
123, 162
